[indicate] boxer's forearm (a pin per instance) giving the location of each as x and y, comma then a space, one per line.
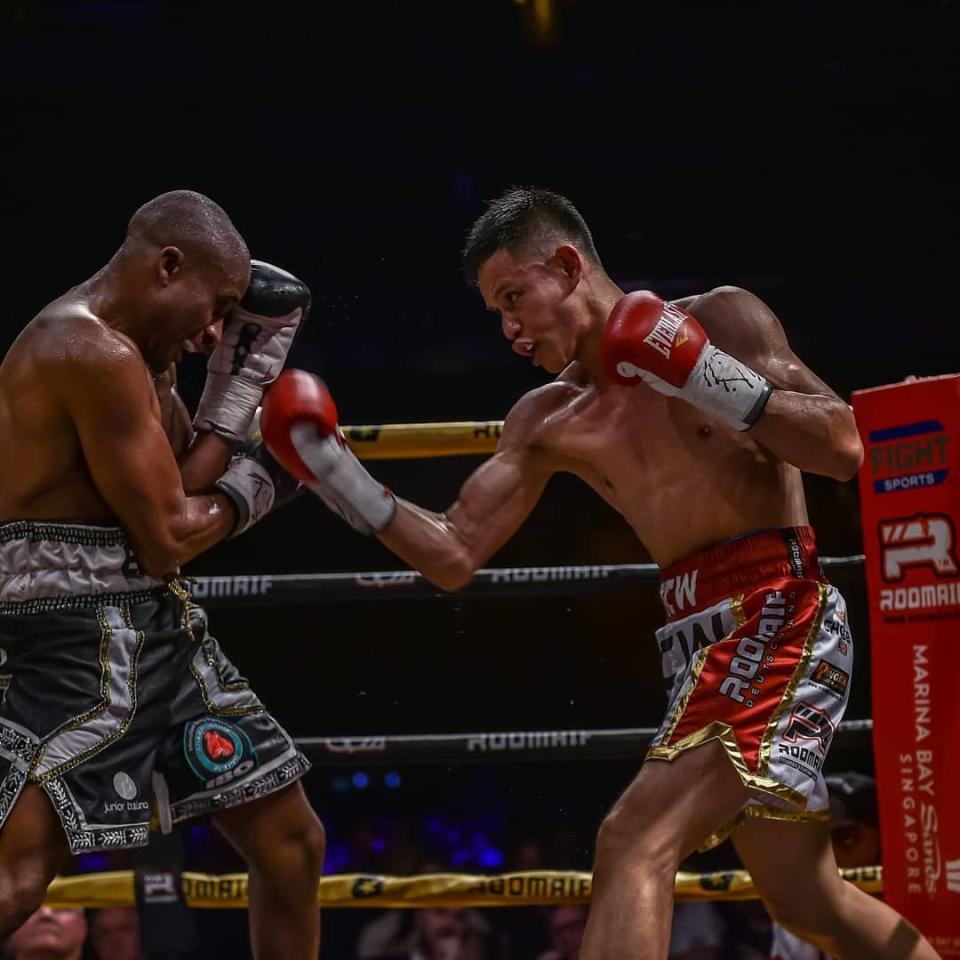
816, 433
164, 539
204, 462
428, 542
201, 457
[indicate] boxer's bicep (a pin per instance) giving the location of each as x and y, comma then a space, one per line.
111, 403
496, 499
805, 422
742, 325
448, 548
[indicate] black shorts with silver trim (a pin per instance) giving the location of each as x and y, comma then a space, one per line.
114, 697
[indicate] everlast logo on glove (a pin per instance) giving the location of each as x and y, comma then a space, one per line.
662, 336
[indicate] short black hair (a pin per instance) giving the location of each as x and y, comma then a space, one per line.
521, 217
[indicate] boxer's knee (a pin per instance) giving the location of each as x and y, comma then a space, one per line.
279, 836
293, 855
626, 834
813, 911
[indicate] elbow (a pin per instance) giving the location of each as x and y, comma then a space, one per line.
848, 460
455, 574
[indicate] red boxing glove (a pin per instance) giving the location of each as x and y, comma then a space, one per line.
299, 426
296, 396
646, 339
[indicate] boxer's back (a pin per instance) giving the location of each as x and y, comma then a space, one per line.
44, 476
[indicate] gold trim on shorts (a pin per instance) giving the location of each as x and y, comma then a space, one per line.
766, 742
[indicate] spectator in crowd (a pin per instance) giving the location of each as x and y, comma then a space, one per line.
115, 934
855, 835
438, 934
566, 926
49, 935
697, 932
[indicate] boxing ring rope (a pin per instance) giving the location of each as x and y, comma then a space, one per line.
417, 441
264, 589
401, 441
373, 891
513, 746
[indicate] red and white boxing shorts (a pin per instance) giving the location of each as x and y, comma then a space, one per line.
759, 649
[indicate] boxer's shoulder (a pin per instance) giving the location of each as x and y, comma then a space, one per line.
70, 352
68, 329
725, 308
528, 422
737, 321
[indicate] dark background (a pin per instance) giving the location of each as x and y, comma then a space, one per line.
798, 148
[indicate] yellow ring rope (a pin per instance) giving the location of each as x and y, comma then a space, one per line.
394, 441
116, 888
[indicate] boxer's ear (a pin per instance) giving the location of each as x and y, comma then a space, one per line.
170, 263
568, 260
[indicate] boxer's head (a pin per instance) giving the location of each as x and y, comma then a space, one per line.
533, 259
183, 265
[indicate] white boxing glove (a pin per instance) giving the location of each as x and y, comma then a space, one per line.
257, 336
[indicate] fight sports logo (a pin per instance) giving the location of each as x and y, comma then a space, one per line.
808, 722
924, 540
217, 752
909, 456
953, 876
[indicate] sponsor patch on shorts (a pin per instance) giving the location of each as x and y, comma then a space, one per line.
831, 677
218, 752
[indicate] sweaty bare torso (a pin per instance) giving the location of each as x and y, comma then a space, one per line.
45, 475
681, 480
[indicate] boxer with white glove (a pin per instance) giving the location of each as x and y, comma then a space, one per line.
648, 340
257, 336
299, 427
255, 483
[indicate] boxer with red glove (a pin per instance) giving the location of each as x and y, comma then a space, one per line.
648, 340
299, 427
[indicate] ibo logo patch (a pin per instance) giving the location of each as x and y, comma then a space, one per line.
217, 751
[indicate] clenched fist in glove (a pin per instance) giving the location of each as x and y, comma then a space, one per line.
299, 427
255, 483
257, 335
660, 344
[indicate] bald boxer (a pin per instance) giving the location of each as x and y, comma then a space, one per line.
114, 697
695, 420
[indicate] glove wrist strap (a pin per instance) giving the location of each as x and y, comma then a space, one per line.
726, 388
250, 488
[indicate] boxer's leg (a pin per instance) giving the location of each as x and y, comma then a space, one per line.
793, 867
282, 841
661, 818
33, 847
